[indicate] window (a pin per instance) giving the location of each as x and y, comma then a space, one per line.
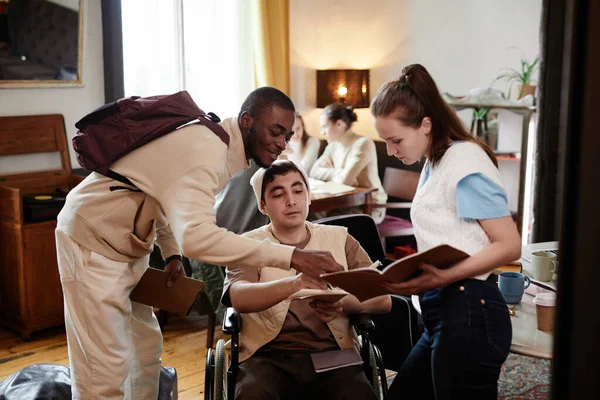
202, 46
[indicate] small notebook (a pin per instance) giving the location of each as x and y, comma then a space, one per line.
334, 359
152, 290
319, 294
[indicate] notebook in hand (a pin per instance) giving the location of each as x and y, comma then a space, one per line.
319, 294
152, 290
364, 282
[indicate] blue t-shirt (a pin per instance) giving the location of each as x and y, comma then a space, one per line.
478, 197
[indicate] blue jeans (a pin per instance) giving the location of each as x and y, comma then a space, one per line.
460, 354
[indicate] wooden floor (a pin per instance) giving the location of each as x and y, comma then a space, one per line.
184, 349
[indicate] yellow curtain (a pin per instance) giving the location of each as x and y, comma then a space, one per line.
271, 37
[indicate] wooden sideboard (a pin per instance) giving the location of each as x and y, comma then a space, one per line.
30, 290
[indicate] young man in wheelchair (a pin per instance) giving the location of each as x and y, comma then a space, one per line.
278, 335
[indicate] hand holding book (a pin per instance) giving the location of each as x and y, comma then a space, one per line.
428, 277
366, 283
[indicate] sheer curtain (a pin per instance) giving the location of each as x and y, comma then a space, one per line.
202, 46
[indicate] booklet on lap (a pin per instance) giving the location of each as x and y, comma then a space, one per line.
334, 359
364, 283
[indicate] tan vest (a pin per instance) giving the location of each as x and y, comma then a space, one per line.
262, 327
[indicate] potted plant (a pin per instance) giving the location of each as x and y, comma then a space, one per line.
523, 78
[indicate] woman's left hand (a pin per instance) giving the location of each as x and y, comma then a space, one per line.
431, 277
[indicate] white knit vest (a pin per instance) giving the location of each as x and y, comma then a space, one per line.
434, 209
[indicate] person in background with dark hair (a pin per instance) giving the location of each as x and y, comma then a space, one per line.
104, 239
278, 336
302, 149
459, 201
348, 158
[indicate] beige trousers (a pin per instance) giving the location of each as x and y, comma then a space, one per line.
114, 344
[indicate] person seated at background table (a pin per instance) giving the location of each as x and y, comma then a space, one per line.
302, 149
279, 335
348, 158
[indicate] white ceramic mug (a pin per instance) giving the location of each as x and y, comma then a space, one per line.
543, 265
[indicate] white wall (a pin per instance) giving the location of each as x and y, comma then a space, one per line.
72, 102
463, 43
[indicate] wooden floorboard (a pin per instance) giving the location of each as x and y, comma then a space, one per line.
184, 349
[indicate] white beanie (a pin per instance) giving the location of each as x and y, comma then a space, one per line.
257, 179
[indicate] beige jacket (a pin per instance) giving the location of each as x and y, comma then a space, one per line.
179, 175
354, 160
260, 328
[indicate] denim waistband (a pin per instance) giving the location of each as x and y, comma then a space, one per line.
489, 282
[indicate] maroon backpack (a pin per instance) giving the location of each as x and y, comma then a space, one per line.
115, 129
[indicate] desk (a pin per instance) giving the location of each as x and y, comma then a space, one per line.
527, 339
355, 198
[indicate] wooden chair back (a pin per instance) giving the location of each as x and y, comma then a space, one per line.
400, 183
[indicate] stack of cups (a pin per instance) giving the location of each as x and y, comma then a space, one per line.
545, 305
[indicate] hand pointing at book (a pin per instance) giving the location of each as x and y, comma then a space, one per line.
314, 263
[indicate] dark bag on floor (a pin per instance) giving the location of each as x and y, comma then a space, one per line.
52, 381
115, 129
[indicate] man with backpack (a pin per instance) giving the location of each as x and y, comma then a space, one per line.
149, 186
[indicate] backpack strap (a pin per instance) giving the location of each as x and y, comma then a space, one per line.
120, 178
209, 120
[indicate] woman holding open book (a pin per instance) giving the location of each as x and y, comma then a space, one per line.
459, 201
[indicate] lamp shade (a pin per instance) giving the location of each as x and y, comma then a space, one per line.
347, 86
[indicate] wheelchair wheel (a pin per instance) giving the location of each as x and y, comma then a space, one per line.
382, 373
208, 374
375, 375
219, 388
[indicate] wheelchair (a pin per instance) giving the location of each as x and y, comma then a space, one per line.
221, 370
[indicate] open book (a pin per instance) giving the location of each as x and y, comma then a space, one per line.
319, 294
364, 283
321, 187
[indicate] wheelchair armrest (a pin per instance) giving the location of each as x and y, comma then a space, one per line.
362, 322
232, 321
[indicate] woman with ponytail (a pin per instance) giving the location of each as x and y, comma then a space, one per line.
348, 158
459, 201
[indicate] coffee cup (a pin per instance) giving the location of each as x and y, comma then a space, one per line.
512, 286
545, 306
543, 265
